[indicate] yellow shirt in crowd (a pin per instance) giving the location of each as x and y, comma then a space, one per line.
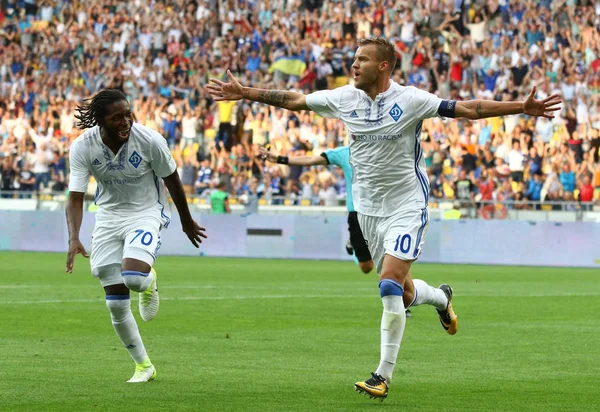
226, 111
497, 123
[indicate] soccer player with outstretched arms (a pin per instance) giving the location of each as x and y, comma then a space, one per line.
390, 185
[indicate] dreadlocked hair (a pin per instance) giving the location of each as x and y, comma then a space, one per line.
96, 108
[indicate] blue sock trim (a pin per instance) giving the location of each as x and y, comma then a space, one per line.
134, 273
388, 287
117, 297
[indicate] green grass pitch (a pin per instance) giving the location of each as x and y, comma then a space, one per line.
277, 335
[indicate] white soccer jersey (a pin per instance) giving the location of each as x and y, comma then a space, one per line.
385, 152
130, 182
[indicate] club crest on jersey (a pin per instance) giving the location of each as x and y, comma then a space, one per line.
96, 162
354, 115
396, 112
135, 159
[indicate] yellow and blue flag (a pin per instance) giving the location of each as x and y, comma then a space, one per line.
290, 65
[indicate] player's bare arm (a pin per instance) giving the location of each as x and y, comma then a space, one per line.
293, 161
233, 90
189, 226
74, 218
481, 109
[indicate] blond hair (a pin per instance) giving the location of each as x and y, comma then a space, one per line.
385, 49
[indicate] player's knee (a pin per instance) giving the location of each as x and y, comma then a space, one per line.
136, 280
395, 269
388, 287
366, 267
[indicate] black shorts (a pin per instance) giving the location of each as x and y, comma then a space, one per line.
357, 240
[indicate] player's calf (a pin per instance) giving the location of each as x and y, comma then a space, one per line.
441, 299
393, 320
425, 294
125, 326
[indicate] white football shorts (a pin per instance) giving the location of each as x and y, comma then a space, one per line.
401, 235
137, 238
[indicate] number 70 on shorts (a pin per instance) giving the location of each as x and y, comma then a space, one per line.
146, 239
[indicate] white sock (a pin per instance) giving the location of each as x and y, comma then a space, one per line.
428, 295
393, 321
137, 281
124, 323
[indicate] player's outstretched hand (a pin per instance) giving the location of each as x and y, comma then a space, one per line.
75, 247
264, 154
544, 107
194, 232
225, 91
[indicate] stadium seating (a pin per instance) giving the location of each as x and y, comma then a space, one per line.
456, 51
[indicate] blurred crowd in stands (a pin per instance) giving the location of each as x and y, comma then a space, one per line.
161, 54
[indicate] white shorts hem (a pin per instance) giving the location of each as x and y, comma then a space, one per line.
139, 254
108, 274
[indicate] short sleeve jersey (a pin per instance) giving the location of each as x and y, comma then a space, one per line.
385, 152
129, 182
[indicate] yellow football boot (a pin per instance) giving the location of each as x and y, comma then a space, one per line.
448, 318
375, 387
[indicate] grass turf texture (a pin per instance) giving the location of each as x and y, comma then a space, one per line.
258, 335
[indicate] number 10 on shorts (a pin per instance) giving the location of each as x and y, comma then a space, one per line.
403, 243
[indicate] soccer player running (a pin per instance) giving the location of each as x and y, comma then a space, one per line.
129, 163
340, 157
391, 188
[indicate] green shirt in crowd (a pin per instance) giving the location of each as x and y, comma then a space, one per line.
217, 201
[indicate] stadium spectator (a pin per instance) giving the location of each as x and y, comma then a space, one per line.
170, 129
464, 188
41, 166
189, 125
328, 194
567, 179
59, 172
250, 198
8, 175
586, 190
219, 200
204, 177
225, 133
516, 160
188, 173
162, 53
534, 188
